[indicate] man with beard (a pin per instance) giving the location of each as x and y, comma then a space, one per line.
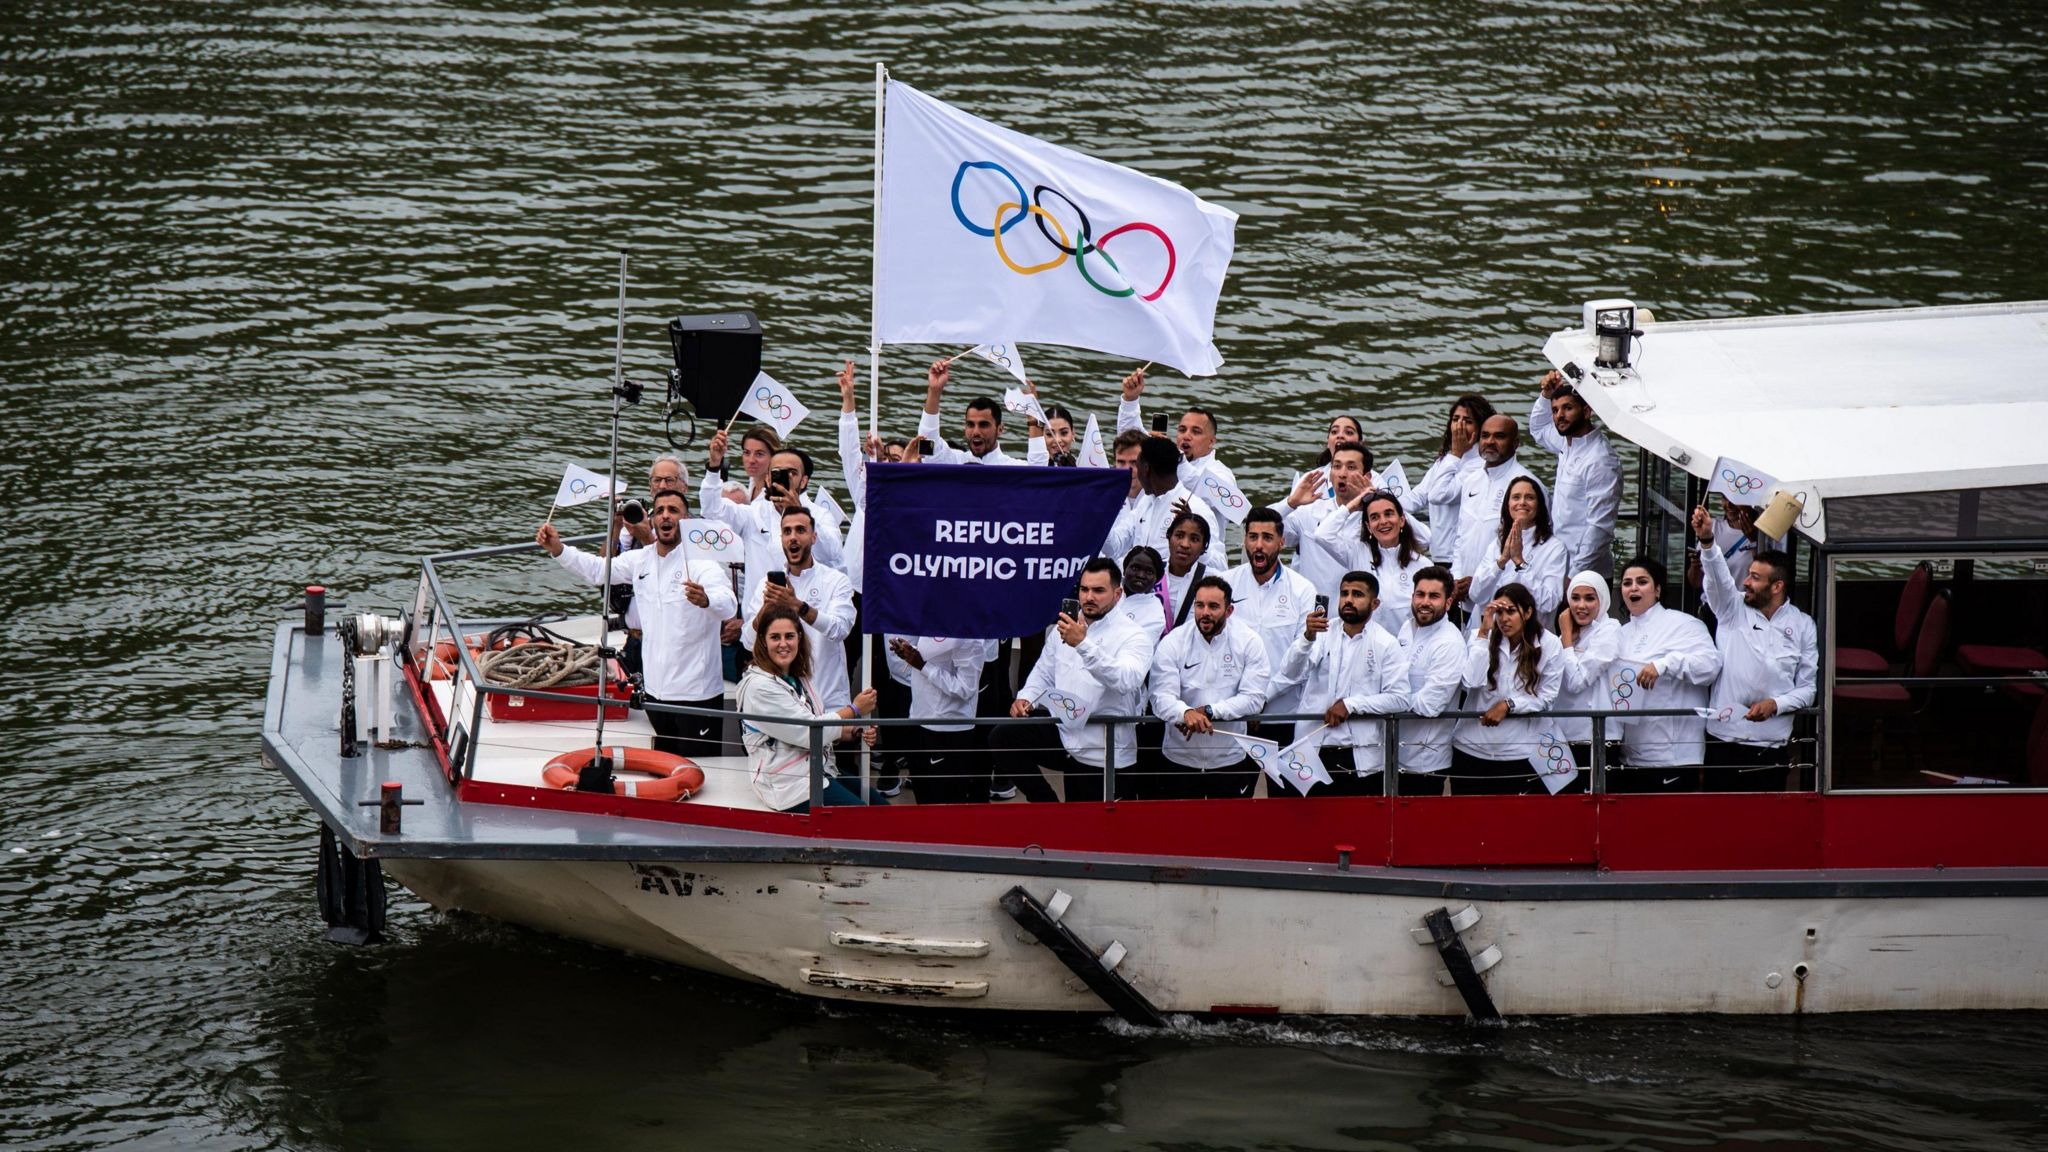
681, 603
1194, 437
1770, 653
1484, 488
1186, 542
758, 523
1099, 659
666, 475
1147, 515
1350, 473
1362, 671
822, 598
1274, 601
983, 426
1665, 660
1436, 670
1587, 495
1205, 680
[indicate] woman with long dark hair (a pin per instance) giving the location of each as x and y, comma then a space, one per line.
1442, 488
1376, 536
778, 683
1523, 550
1513, 670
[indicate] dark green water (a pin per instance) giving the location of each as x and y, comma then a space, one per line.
298, 292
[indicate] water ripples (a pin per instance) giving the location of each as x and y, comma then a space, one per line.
298, 292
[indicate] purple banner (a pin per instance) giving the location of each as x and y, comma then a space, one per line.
980, 552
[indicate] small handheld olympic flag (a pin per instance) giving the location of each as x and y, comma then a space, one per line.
1553, 762
773, 405
1741, 483
1005, 356
1224, 497
710, 540
1302, 765
580, 486
1259, 750
1018, 400
1070, 710
1393, 478
1092, 455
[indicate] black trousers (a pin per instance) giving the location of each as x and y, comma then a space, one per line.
946, 767
1733, 767
689, 735
1180, 782
1020, 750
1479, 776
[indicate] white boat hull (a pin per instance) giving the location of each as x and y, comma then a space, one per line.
887, 934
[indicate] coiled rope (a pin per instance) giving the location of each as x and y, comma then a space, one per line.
542, 664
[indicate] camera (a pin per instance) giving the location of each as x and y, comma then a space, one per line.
631, 511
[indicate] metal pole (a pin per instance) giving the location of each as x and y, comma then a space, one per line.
597, 776
1390, 761
867, 664
817, 767
1598, 783
1109, 763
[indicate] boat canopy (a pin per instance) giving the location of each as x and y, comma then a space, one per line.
1904, 423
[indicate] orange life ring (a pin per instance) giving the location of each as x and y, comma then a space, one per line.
675, 777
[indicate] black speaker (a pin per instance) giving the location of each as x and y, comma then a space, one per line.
717, 358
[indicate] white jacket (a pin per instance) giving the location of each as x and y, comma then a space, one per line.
1107, 671
1587, 497
1775, 657
679, 650
1515, 737
1339, 535
1277, 610
1437, 496
948, 685
1586, 667
1687, 663
1542, 571
831, 593
1229, 674
1368, 671
778, 755
1436, 670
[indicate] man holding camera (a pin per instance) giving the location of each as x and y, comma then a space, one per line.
681, 602
758, 523
1097, 657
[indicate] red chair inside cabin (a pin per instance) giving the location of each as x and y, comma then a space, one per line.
1905, 621
1862, 699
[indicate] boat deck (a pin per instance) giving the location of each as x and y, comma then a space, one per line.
479, 821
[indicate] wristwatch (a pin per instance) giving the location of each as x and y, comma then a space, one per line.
1210, 712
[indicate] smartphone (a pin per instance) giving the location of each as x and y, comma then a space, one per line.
924, 446
1322, 604
1070, 607
781, 578
1159, 422
783, 478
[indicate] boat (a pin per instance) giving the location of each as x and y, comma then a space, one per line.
1906, 873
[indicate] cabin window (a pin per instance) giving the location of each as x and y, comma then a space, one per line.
1937, 670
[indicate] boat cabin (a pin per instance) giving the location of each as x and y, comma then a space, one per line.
1914, 445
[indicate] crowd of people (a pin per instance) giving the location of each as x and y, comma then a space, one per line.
1478, 589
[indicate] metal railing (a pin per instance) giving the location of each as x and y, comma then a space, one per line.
434, 619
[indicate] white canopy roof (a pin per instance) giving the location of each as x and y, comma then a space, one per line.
1839, 404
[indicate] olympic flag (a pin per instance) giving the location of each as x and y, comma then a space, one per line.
580, 486
986, 234
773, 405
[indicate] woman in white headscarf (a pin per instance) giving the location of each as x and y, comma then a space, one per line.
1592, 638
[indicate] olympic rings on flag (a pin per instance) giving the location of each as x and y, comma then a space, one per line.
773, 401
1080, 244
715, 539
1742, 482
1624, 687
1064, 703
579, 486
1557, 761
1218, 490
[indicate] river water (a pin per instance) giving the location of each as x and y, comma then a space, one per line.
296, 292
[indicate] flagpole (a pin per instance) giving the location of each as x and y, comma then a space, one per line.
867, 664
597, 775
